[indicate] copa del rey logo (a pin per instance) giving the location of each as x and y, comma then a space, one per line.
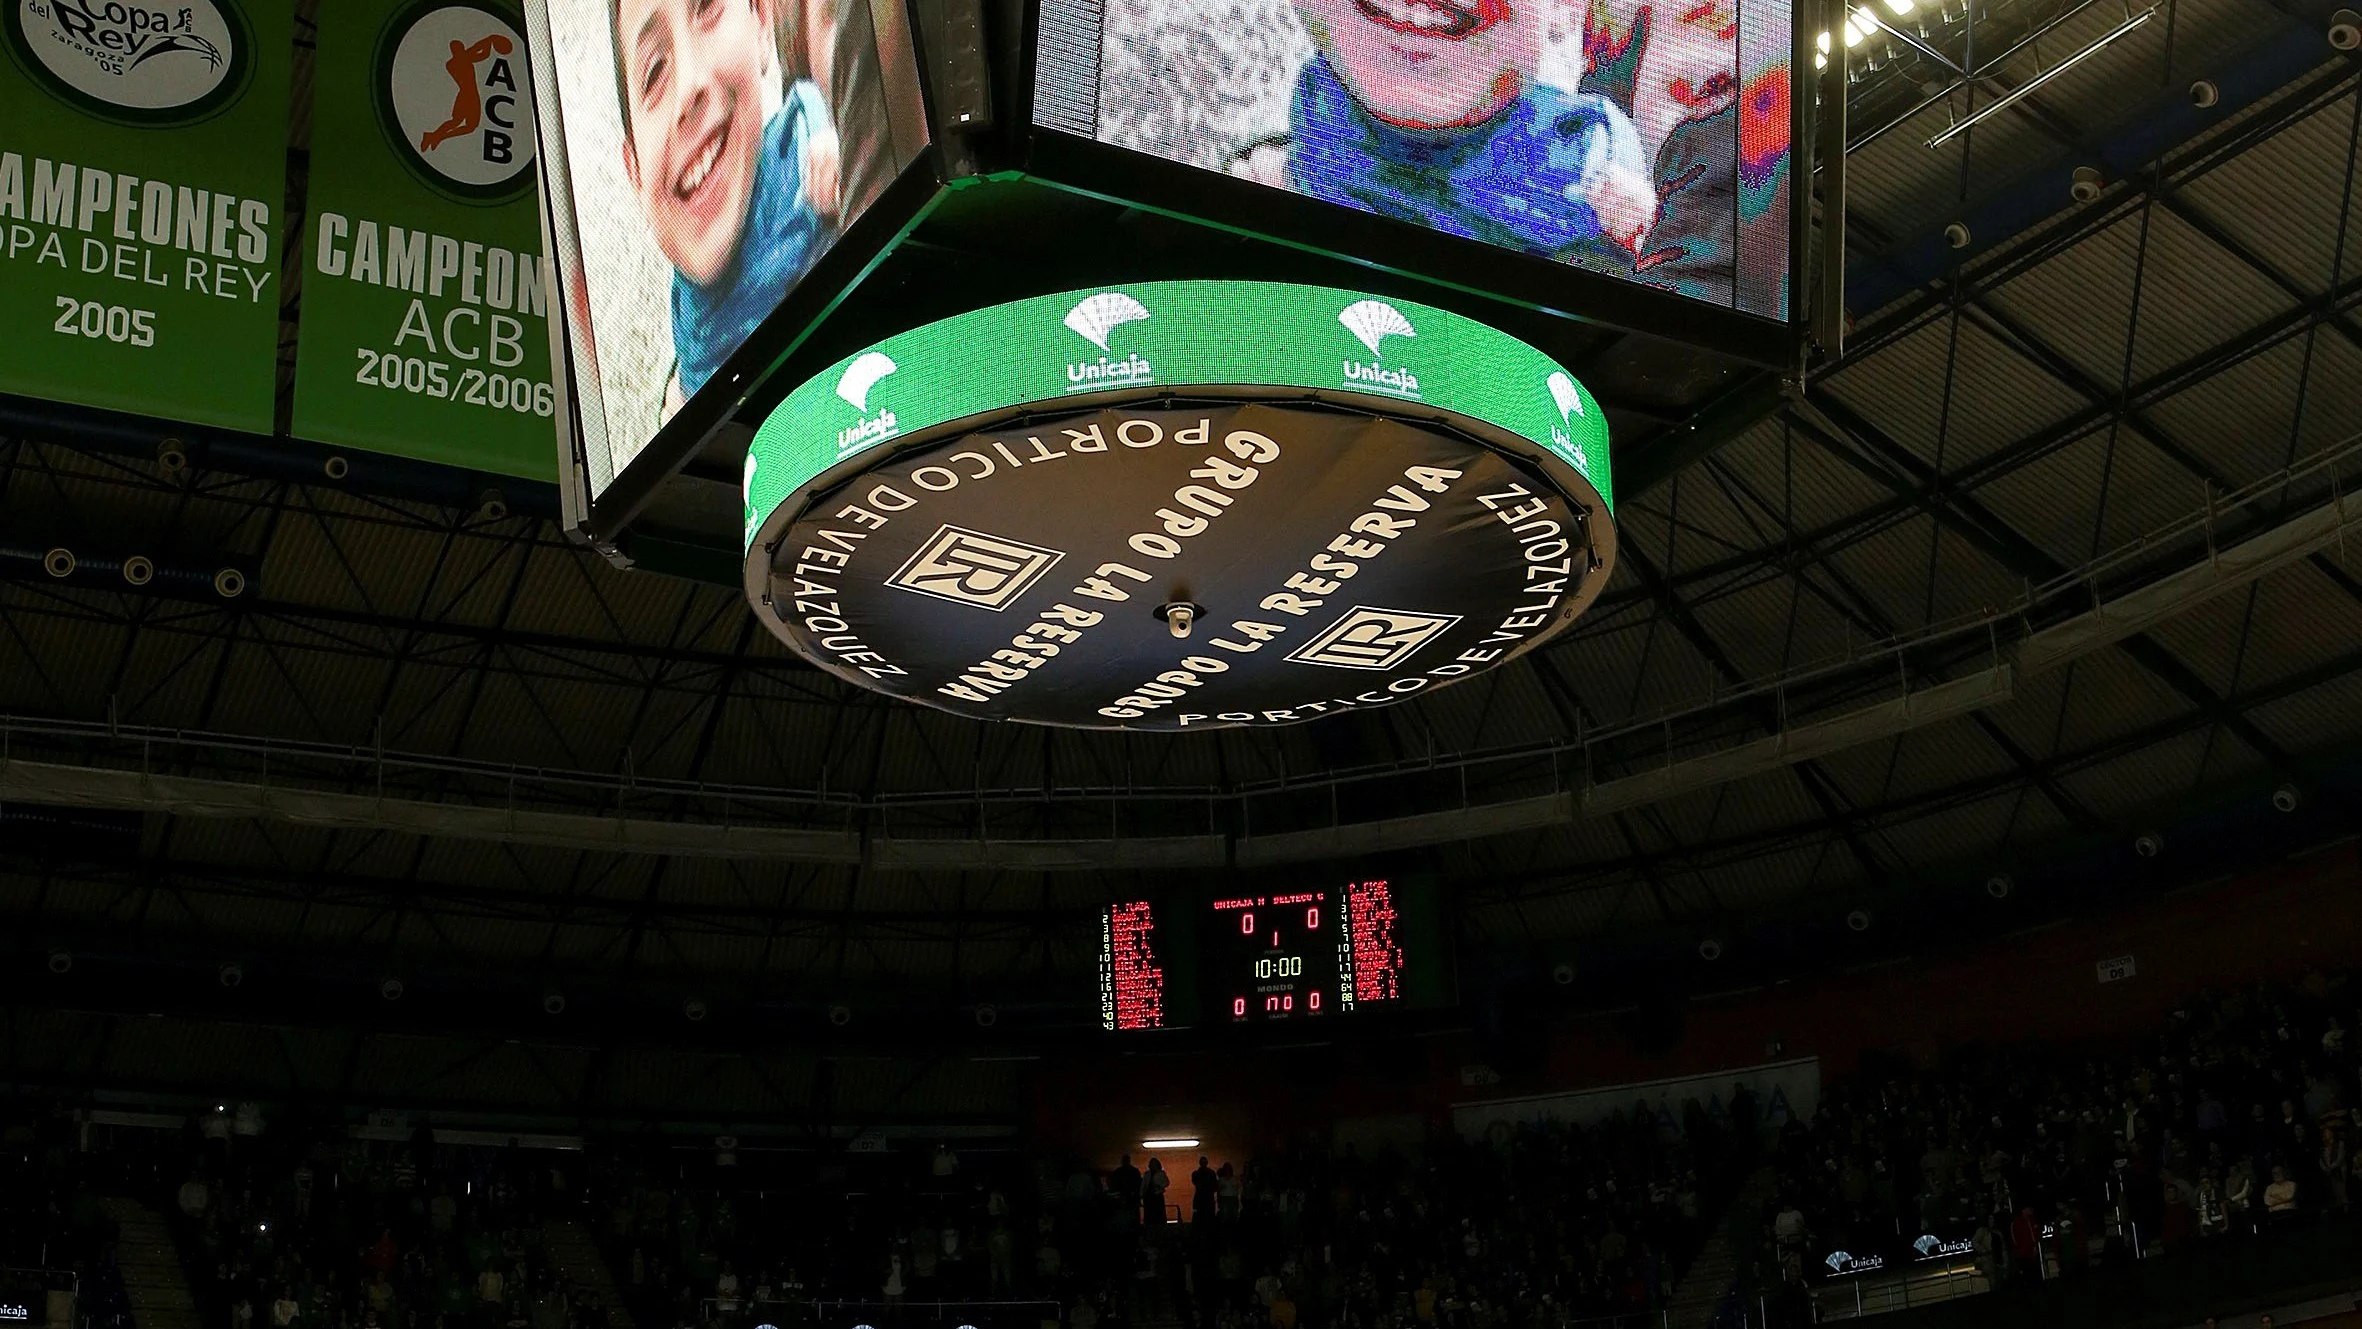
1095, 319
142, 58
460, 104
1371, 322
853, 387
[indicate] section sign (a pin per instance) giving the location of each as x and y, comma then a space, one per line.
142, 181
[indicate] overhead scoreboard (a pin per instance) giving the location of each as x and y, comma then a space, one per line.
1365, 945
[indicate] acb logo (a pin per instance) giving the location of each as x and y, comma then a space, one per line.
455, 99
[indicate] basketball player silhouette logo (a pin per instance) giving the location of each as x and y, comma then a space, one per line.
467, 103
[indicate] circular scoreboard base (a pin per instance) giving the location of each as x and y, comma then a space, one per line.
1179, 506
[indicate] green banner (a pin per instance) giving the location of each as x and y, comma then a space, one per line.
425, 302
142, 176
1155, 336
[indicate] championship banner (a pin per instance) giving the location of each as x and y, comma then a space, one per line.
142, 181
425, 305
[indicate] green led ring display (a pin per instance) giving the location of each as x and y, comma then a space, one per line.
1083, 347
1020, 512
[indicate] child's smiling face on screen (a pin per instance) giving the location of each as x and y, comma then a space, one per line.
693, 75
1429, 64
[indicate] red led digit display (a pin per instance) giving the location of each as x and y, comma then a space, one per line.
1369, 955
1131, 979
1271, 957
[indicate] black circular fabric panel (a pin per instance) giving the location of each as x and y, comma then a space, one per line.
1323, 560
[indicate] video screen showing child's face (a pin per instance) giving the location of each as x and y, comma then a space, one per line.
696, 74
713, 151
1428, 65
1646, 139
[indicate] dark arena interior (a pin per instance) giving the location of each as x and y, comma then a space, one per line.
1180, 664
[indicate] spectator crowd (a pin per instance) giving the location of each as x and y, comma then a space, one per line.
2034, 1163
2232, 1120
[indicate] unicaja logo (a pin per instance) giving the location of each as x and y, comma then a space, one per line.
1371, 322
853, 387
160, 62
1094, 320
746, 489
1569, 400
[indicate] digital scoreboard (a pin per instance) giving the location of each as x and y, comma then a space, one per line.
1369, 944
1276, 956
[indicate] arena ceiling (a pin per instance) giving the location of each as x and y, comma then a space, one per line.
2051, 551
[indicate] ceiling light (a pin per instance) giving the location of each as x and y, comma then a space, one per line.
1820, 61
1823, 43
1174, 1142
1901, 8
1853, 35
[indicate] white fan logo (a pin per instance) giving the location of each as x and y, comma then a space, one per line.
1373, 321
1566, 395
1098, 316
862, 375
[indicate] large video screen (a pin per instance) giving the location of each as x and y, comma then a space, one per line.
1643, 140
699, 157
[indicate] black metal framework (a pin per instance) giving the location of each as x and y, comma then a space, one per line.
2152, 352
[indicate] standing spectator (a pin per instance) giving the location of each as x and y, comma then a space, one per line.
491, 1291
1048, 1264
1988, 1247
1203, 1184
2073, 1241
1002, 1249
2212, 1117
2280, 1197
2025, 1246
2214, 1214
1124, 1185
2239, 1196
1788, 1231
1152, 1195
2334, 1167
